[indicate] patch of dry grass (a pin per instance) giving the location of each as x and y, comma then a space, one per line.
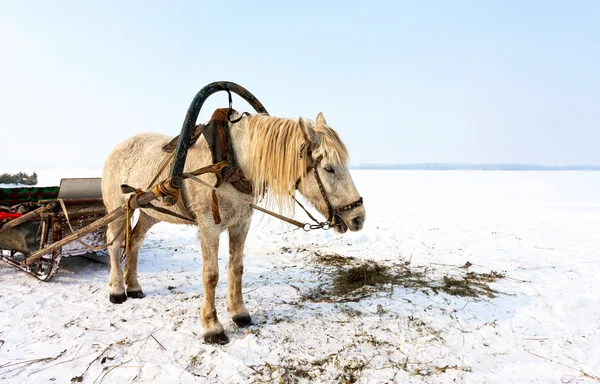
351, 280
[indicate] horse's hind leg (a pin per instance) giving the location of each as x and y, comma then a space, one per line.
235, 301
213, 330
145, 222
116, 282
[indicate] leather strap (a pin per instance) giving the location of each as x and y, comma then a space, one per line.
222, 139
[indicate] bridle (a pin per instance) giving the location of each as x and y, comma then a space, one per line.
331, 211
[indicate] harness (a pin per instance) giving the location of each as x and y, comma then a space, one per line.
217, 135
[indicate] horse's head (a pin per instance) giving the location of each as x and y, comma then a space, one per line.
328, 184
283, 155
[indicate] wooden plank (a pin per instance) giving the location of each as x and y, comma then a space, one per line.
75, 212
27, 217
77, 201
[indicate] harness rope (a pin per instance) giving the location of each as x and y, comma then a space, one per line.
230, 110
162, 168
251, 205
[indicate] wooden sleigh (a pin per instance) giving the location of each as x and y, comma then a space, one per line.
41, 219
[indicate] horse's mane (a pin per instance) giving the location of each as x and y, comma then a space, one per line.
274, 152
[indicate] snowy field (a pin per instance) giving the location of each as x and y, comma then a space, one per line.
540, 231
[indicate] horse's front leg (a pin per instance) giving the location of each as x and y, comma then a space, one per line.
213, 330
235, 301
116, 283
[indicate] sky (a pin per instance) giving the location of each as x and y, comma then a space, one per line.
401, 81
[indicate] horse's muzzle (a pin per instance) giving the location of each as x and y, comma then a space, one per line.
356, 223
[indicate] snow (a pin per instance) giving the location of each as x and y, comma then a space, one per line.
541, 229
14, 186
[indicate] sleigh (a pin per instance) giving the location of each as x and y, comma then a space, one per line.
32, 219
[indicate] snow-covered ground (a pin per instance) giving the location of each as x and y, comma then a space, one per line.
540, 229
14, 185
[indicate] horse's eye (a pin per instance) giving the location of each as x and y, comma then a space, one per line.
329, 169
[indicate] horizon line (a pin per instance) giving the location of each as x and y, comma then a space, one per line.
476, 166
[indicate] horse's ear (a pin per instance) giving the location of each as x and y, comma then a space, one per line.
309, 131
301, 124
321, 119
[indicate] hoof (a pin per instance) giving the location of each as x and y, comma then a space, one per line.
216, 338
117, 298
136, 294
242, 320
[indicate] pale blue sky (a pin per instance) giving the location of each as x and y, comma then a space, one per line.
402, 82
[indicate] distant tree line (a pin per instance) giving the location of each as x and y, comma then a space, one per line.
19, 178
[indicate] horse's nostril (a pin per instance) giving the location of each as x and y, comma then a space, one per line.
357, 221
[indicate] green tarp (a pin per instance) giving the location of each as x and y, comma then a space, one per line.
12, 196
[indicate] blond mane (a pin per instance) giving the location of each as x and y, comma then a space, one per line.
275, 165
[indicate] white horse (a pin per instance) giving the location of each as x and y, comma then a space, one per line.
272, 153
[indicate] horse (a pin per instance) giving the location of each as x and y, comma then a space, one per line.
276, 154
